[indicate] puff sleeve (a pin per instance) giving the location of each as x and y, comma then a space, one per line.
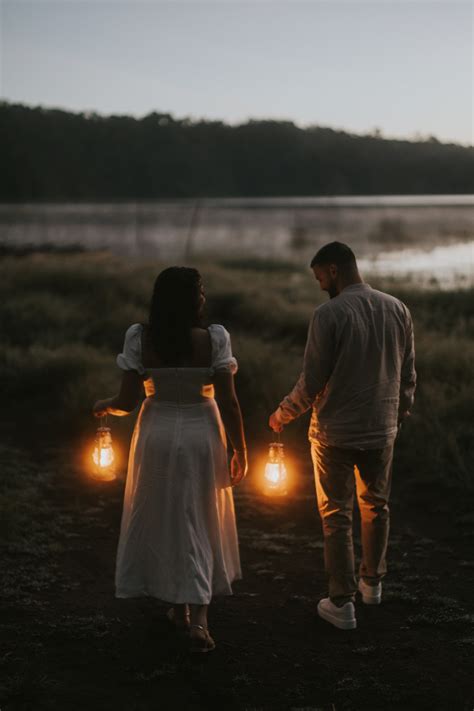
131, 356
222, 358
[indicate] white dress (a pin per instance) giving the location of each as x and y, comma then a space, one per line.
178, 537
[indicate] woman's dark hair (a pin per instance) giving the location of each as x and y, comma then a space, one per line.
174, 311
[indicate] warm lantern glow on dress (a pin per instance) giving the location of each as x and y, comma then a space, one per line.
103, 455
276, 475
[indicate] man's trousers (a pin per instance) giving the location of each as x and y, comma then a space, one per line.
338, 473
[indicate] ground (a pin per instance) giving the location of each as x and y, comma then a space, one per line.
67, 643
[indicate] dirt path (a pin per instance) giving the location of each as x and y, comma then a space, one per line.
67, 643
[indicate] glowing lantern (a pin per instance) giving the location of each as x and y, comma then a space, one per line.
275, 476
103, 455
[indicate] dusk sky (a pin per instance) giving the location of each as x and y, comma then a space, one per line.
404, 66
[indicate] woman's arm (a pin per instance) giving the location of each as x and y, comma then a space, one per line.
125, 402
229, 408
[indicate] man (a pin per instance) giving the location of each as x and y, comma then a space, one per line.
359, 378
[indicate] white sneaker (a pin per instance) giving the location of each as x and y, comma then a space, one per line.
371, 594
342, 617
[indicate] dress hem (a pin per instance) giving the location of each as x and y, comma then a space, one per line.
140, 593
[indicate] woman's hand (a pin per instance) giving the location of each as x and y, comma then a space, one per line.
101, 408
238, 466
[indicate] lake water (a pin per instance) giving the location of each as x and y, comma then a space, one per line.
428, 239
443, 267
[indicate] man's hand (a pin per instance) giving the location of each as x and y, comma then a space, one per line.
402, 416
401, 419
274, 422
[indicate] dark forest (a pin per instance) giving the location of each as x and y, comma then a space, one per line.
49, 154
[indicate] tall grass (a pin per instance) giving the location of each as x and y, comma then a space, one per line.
63, 318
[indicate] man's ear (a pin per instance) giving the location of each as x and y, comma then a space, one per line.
333, 271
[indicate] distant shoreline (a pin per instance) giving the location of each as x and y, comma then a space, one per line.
301, 202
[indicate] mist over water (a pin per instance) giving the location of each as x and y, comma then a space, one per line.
427, 239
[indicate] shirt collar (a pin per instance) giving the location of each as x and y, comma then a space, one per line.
356, 287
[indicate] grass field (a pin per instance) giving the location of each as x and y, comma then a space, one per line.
63, 318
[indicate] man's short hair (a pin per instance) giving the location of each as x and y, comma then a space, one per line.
335, 253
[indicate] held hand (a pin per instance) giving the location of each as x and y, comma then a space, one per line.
274, 422
100, 408
238, 467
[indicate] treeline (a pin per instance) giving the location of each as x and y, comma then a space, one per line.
48, 154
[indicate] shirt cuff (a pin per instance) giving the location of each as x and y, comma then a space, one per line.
282, 417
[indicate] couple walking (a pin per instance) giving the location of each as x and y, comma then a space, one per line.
178, 538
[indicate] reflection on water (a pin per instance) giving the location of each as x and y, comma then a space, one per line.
444, 267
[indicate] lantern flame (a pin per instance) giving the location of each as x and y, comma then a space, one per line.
103, 456
275, 473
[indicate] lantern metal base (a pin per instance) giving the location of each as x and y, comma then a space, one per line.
274, 492
104, 475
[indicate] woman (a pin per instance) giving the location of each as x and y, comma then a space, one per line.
178, 538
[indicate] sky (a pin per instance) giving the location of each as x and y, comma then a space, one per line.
402, 66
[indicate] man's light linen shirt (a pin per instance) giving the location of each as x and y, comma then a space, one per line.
358, 372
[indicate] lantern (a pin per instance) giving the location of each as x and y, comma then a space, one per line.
103, 455
276, 476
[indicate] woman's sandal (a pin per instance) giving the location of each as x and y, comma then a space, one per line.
203, 643
180, 626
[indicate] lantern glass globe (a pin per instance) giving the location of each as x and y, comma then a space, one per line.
275, 476
103, 455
